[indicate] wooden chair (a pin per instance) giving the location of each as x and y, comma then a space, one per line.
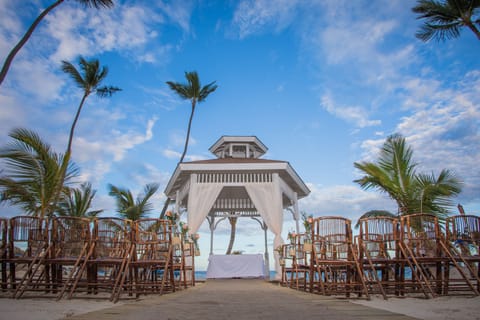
335, 267
299, 253
183, 261
378, 254
427, 256
107, 258
71, 240
28, 248
287, 254
463, 239
151, 263
4, 253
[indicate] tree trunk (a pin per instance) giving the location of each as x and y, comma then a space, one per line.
24, 39
233, 224
188, 131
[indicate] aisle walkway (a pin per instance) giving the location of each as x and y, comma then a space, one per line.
240, 299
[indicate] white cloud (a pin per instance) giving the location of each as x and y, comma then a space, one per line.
171, 154
348, 201
77, 31
179, 12
352, 114
252, 17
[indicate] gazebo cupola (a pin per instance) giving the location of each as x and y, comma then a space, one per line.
238, 147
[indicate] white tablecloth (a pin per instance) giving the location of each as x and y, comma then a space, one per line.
235, 266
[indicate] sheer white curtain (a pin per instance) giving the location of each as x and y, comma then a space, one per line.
267, 198
201, 198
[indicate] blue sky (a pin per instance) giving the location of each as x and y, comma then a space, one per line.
320, 83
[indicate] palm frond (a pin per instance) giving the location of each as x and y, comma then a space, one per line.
107, 91
97, 4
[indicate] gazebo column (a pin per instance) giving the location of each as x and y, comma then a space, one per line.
213, 227
266, 255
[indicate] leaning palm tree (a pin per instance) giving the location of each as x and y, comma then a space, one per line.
395, 174
77, 202
130, 208
89, 80
8, 61
32, 174
445, 19
193, 91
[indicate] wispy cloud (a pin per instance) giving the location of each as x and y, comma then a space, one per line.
352, 114
253, 17
77, 32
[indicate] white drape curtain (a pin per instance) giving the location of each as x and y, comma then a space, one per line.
267, 198
201, 198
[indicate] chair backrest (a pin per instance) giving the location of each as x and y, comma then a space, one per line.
463, 228
421, 232
3, 235
333, 229
27, 236
420, 226
70, 235
332, 238
112, 237
163, 229
378, 236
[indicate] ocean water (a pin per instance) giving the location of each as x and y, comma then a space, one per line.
202, 275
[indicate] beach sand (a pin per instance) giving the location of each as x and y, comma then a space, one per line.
439, 308
244, 299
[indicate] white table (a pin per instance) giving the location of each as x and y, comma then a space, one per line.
235, 266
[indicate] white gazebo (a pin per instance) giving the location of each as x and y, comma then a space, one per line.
237, 184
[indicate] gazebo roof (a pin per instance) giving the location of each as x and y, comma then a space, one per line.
236, 165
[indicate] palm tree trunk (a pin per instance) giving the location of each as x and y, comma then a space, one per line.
74, 124
66, 158
188, 131
472, 27
233, 231
24, 39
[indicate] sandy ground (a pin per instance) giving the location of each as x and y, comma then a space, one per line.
441, 308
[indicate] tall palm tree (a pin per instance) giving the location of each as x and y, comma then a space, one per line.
130, 208
193, 91
77, 202
89, 80
32, 174
395, 175
444, 19
97, 4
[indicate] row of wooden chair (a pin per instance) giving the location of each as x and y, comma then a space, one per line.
64, 256
415, 254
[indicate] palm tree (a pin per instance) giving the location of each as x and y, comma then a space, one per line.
32, 174
233, 231
97, 4
193, 91
89, 80
128, 207
444, 19
78, 201
395, 175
